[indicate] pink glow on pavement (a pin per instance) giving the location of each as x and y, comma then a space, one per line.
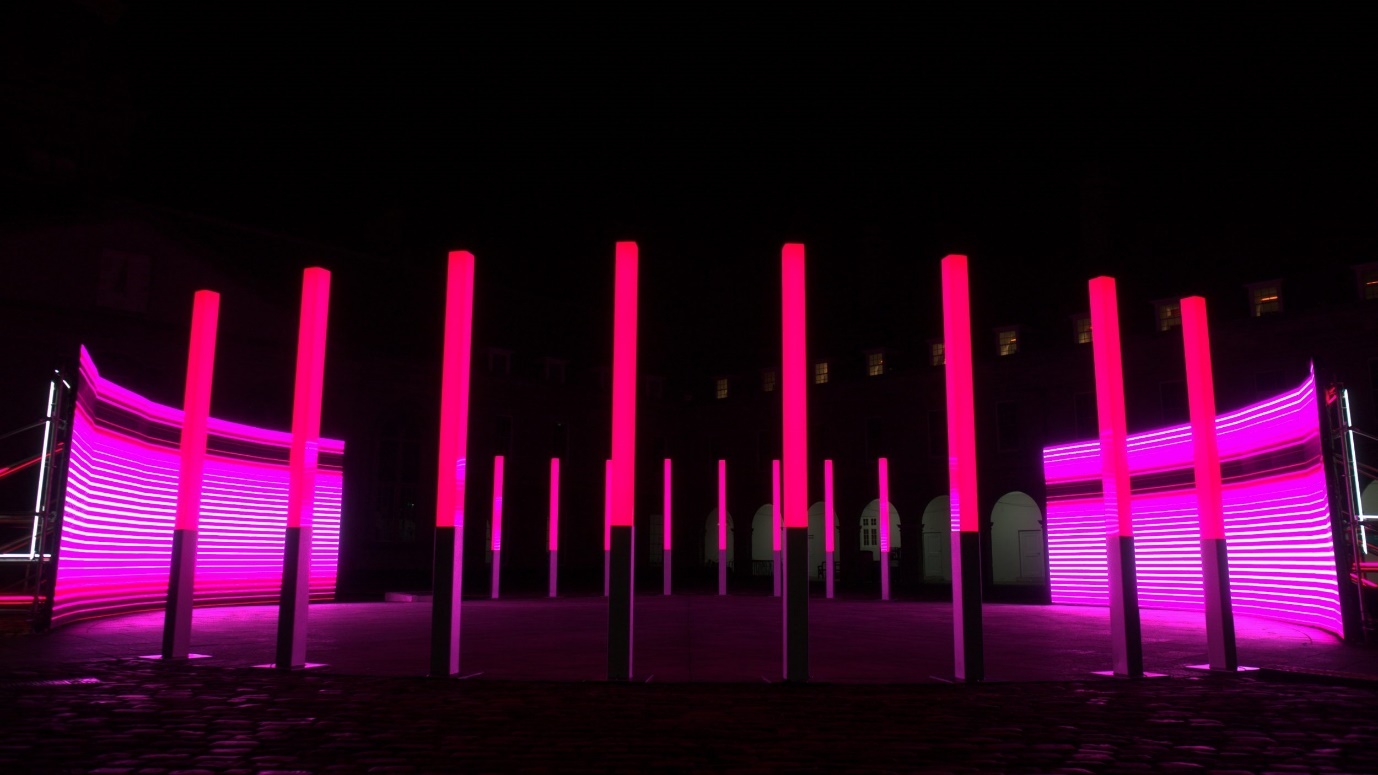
1201, 398
497, 502
306, 406
794, 382
1105, 323
829, 517
624, 386
961, 407
205, 314
554, 536
454, 389
1275, 512
775, 505
121, 504
666, 529
883, 516
722, 505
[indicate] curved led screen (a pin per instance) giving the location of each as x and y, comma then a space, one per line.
121, 500
1277, 516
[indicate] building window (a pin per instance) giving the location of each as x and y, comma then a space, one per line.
1265, 298
721, 390
1008, 340
1081, 325
1367, 276
875, 364
1169, 314
553, 370
870, 527
768, 381
820, 373
937, 356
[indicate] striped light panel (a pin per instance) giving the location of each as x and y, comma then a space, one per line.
1281, 555
121, 500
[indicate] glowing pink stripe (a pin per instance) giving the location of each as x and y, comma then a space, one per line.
829, 518
961, 407
554, 540
197, 407
722, 505
775, 505
454, 389
121, 503
1276, 520
666, 530
624, 386
607, 505
306, 406
1105, 325
1201, 398
497, 502
883, 518
794, 380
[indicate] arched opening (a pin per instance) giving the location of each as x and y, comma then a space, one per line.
870, 531
710, 539
1016, 540
937, 540
818, 547
762, 547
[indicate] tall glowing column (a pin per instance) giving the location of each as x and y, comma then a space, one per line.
967, 633
497, 526
620, 598
303, 461
775, 526
829, 520
205, 313
665, 529
607, 525
1215, 566
1126, 641
883, 523
449, 501
554, 527
722, 527
795, 483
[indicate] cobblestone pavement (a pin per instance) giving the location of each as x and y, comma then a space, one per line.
139, 716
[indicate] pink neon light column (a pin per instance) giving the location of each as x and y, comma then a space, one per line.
883, 525
829, 523
794, 382
1215, 567
665, 528
497, 524
304, 463
1126, 641
775, 527
554, 526
620, 599
454, 428
205, 313
722, 527
967, 632
607, 526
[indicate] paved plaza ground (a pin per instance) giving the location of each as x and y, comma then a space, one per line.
707, 695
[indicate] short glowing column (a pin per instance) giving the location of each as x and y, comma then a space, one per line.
303, 461
1126, 642
722, 527
665, 529
967, 632
883, 524
607, 525
829, 523
620, 599
449, 502
775, 526
1215, 566
794, 381
181, 585
497, 526
554, 526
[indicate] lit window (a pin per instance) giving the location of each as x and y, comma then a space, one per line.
722, 388
936, 354
1169, 315
875, 364
1008, 340
1082, 325
768, 381
1265, 299
820, 372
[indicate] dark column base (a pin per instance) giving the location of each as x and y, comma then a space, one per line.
796, 604
554, 572
181, 586
1215, 574
620, 604
969, 660
295, 599
495, 587
667, 566
1126, 638
722, 571
447, 589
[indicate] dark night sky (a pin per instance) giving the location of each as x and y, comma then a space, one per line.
883, 143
